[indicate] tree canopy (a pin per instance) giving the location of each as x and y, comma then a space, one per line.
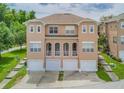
12, 30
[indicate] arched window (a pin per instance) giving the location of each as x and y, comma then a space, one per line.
57, 49
66, 49
74, 49
48, 49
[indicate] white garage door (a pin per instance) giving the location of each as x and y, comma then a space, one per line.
70, 65
121, 54
53, 64
88, 65
35, 65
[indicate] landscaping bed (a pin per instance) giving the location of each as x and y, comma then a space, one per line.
118, 67
9, 61
102, 74
61, 76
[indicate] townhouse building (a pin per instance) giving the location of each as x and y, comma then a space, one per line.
62, 42
113, 27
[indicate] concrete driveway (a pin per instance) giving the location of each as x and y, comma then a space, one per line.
37, 79
49, 77
49, 81
73, 75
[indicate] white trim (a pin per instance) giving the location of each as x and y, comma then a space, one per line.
93, 29
34, 41
85, 28
121, 36
88, 42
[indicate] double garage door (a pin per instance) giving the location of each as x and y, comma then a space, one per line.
67, 65
121, 54
56, 65
71, 65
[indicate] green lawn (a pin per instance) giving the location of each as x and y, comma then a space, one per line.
102, 74
22, 72
119, 67
9, 61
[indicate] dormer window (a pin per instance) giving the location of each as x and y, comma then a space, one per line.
53, 30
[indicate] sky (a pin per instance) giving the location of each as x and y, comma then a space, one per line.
86, 10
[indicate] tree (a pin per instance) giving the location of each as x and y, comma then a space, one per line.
31, 15
8, 18
3, 9
6, 37
19, 32
102, 41
21, 16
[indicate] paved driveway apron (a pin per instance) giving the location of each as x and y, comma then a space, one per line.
49, 77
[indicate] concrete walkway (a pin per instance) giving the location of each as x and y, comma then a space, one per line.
11, 49
108, 69
11, 75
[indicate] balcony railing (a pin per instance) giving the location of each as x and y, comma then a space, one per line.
57, 53
65, 53
48, 53
74, 53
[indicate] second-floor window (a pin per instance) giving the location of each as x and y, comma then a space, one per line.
69, 30
122, 25
38, 28
84, 28
35, 47
31, 29
53, 30
115, 39
88, 46
91, 28
122, 39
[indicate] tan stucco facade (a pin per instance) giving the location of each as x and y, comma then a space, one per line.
62, 38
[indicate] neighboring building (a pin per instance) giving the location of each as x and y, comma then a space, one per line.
62, 42
114, 29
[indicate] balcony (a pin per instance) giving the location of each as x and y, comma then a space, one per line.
74, 53
61, 35
48, 53
59, 53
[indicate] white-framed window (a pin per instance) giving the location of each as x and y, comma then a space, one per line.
84, 28
115, 39
38, 28
122, 25
31, 28
122, 39
69, 30
88, 46
53, 30
91, 29
35, 46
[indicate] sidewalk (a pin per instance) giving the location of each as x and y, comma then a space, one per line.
108, 69
12, 49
